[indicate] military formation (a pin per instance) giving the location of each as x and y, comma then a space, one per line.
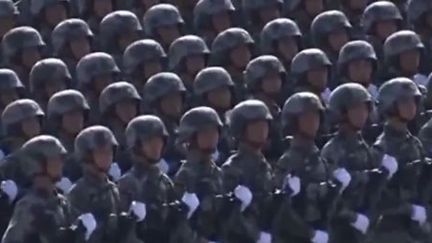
216, 121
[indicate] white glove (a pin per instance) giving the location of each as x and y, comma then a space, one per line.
264, 237
343, 177
215, 155
293, 182
115, 172
10, 188
361, 224
163, 166
325, 95
64, 184
245, 196
192, 201
139, 210
390, 164
89, 223
320, 237
418, 213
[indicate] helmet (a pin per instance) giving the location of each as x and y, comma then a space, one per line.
8, 8
401, 41
19, 111
115, 24
355, 50
395, 90
9, 80
327, 23
276, 30
416, 9
204, 9
141, 51
379, 11
226, 41
93, 65
48, 70
307, 60
346, 96
195, 120
161, 15
246, 112
115, 93
210, 79
37, 6
91, 138
68, 30
19, 38
259, 67
162, 84
298, 104
63, 102
183, 47
144, 127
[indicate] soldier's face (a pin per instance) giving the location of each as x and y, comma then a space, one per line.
257, 132
80, 47
55, 14
6, 24
313, 7
126, 110
31, 127
151, 68
410, 61
287, 48
360, 71
208, 139
240, 56
54, 86
125, 40
172, 105
54, 168
73, 122
168, 34
385, 28
407, 108
194, 64
102, 7
358, 115
220, 98
357, 4
153, 147
272, 84
308, 123
337, 40
30, 56
103, 157
221, 21
318, 78
8, 97
269, 13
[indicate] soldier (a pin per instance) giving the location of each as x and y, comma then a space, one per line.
265, 79
119, 104
95, 71
353, 9
117, 31
259, 12
8, 19
248, 174
199, 132
213, 17
163, 23
72, 39
47, 77
46, 14
350, 105
379, 21
306, 175
419, 17
187, 56
11, 88
143, 59
186, 9
281, 38
401, 207
67, 114
42, 214
164, 96
93, 11
232, 49
22, 47
94, 193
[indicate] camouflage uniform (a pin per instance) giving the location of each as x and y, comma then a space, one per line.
60, 104
90, 68
249, 169
221, 48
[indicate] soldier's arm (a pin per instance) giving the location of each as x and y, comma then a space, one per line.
20, 226
181, 182
126, 191
230, 178
78, 200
